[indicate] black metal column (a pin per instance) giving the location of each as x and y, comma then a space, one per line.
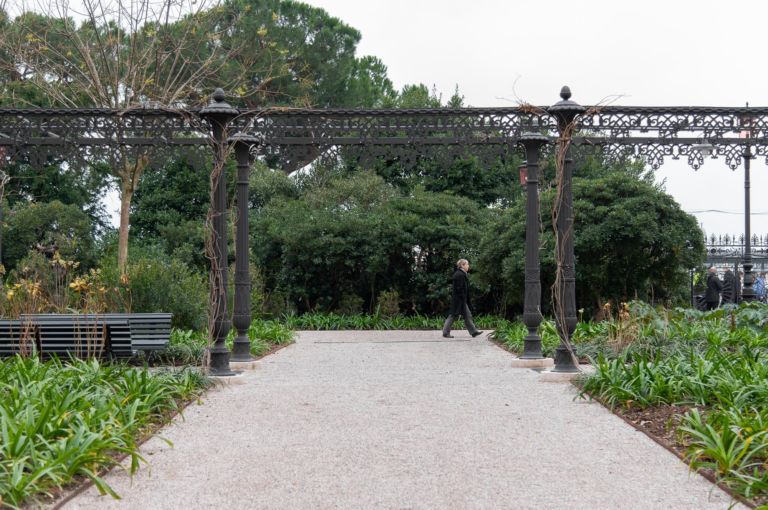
747, 292
565, 111
219, 113
241, 318
532, 142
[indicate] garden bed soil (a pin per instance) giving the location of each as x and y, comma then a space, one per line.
659, 422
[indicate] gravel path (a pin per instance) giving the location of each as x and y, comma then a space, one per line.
402, 420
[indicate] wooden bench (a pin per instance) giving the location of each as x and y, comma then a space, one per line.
118, 335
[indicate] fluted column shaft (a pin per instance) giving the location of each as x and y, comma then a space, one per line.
241, 319
532, 142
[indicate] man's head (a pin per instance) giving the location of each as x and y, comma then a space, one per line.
463, 264
712, 269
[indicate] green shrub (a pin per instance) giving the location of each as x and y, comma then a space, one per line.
185, 347
158, 283
277, 304
388, 303
333, 321
350, 304
64, 226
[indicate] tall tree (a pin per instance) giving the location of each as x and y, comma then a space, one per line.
301, 56
369, 86
169, 209
370, 238
79, 185
168, 53
123, 54
630, 240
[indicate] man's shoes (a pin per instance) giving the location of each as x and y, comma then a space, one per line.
447, 336
476, 333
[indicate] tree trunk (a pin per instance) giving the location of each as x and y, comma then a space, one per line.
129, 181
126, 195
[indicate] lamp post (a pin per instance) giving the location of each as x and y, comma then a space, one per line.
529, 175
565, 111
747, 293
219, 113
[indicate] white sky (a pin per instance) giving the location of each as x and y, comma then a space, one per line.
650, 52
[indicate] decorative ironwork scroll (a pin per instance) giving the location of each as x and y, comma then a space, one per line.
657, 133
297, 137
47, 136
729, 249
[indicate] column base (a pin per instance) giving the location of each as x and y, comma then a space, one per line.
252, 364
236, 378
564, 361
241, 349
240, 358
554, 376
219, 363
533, 363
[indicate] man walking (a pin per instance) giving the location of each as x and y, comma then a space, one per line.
714, 286
460, 301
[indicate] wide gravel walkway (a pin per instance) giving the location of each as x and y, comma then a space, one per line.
402, 420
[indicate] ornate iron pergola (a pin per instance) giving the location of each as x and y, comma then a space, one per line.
291, 138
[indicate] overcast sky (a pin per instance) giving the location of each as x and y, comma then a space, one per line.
642, 53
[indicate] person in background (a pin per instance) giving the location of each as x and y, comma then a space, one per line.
714, 287
759, 287
728, 292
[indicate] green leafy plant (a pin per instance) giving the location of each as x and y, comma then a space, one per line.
60, 421
715, 361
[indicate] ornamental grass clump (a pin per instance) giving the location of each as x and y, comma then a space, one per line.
332, 322
64, 422
266, 335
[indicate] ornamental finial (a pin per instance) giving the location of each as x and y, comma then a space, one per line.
565, 93
218, 108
